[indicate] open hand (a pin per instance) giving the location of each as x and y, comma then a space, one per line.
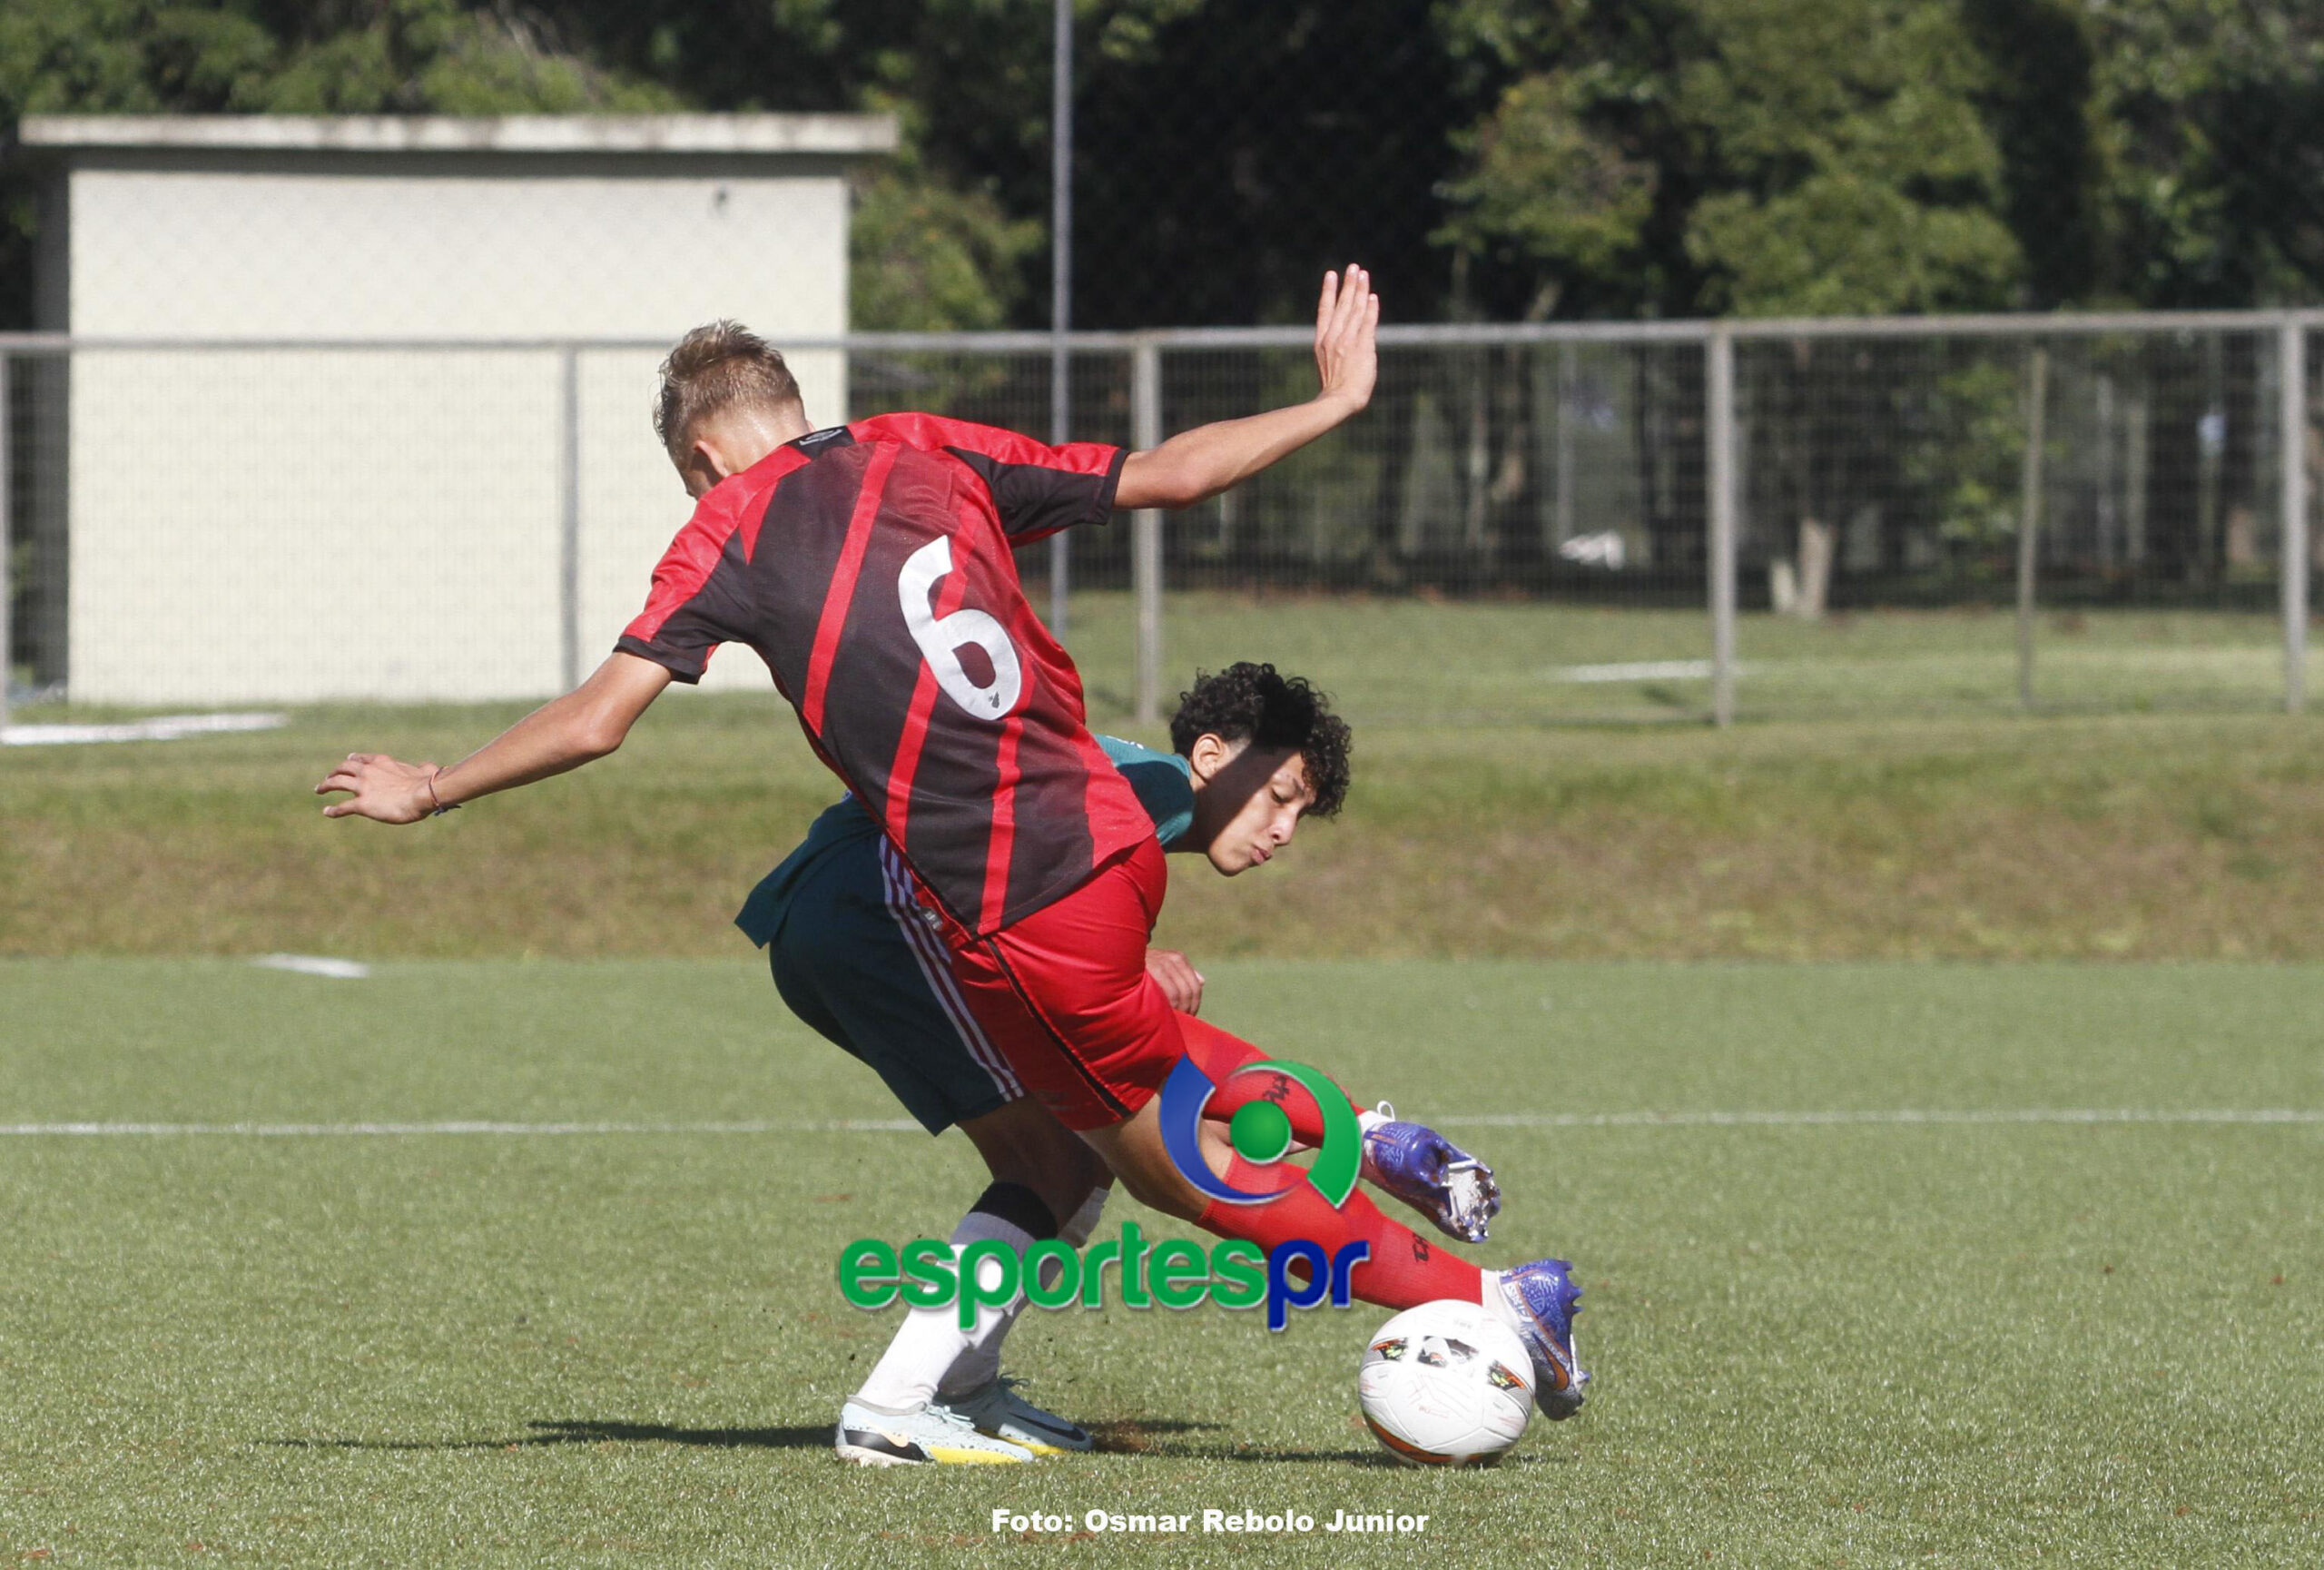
381, 788
1180, 981
1347, 323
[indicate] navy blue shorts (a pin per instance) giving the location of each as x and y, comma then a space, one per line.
856, 959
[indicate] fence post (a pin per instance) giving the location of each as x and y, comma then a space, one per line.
568, 509
1145, 537
7, 541
2029, 516
1060, 289
1564, 503
1719, 393
2291, 364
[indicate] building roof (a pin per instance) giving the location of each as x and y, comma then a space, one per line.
600, 135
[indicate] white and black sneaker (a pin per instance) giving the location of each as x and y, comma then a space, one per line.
997, 1412
930, 1436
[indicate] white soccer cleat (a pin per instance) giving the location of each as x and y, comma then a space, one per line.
930, 1435
997, 1412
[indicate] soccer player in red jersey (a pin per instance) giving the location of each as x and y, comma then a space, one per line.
870, 567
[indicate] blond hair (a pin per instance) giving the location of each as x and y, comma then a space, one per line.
722, 366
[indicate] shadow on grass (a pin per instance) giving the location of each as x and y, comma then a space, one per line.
819, 1436
1150, 1437
1138, 1436
1128, 1437
1376, 1459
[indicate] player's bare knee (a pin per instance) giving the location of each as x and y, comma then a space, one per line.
1136, 1150
1022, 1144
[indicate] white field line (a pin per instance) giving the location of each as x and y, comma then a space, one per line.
1906, 1116
163, 727
314, 966
1966, 1115
2211, 662
373, 1131
1649, 670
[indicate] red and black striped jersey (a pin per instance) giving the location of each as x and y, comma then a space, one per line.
870, 567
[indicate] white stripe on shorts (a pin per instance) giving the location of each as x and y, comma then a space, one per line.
936, 969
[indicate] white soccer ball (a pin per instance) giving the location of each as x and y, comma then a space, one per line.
1446, 1384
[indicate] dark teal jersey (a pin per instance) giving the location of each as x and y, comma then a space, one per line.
853, 954
843, 826
1162, 781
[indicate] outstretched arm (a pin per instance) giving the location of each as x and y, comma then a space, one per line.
1209, 458
586, 723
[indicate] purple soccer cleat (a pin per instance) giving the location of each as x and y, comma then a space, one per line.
1433, 1175
1539, 1302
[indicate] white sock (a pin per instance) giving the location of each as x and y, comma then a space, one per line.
978, 1363
1488, 1292
930, 1340
1082, 1225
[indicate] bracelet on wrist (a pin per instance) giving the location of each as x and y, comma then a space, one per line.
440, 809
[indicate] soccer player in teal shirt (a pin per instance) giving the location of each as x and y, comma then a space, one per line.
853, 955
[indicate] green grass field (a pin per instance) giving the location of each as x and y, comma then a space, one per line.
1413, 661
1975, 1341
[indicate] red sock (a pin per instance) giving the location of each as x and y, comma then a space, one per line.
1404, 1269
1219, 1054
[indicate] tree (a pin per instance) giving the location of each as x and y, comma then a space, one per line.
1760, 156
2211, 141
1227, 152
1755, 157
936, 253
270, 56
2208, 193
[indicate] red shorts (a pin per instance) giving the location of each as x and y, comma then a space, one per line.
1064, 994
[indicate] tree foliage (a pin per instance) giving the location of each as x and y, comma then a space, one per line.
2210, 126
933, 254
1684, 156
263, 56
1598, 158
1763, 157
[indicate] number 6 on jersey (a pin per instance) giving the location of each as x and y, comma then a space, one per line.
941, 638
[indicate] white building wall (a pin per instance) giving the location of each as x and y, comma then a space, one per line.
295, 525
362, 255
281, 528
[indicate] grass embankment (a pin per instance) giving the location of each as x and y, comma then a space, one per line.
1570, 828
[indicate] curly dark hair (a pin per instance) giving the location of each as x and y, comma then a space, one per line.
1257, 704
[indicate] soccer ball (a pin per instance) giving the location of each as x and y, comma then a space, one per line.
1445, 1385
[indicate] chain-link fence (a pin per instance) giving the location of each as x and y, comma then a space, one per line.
1532, 524
2089, 514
